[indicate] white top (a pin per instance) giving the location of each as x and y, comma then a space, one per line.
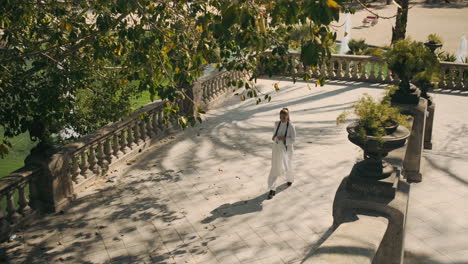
290, 137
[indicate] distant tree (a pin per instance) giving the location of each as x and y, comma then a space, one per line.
76, 64
399, 31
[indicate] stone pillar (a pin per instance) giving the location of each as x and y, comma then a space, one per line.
52, 189
429, 125
412, 162
190, 105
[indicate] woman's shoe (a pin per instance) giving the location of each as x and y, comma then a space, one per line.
289, 183
271, 194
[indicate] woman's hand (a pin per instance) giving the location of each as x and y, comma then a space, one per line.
280, 138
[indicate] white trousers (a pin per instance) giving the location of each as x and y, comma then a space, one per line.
281, 164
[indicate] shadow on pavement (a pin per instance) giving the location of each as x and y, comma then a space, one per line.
241, 207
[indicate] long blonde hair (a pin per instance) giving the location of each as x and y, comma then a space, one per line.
285, 111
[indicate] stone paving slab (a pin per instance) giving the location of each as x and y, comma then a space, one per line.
201, 197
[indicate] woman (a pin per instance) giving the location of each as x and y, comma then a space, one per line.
281, 161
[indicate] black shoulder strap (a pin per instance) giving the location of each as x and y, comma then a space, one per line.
286, 134
277, 128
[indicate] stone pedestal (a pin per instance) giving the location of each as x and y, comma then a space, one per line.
412, 161
429, 125
350, 202
52, 189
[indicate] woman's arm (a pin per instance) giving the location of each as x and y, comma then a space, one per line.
291, 137
274, 130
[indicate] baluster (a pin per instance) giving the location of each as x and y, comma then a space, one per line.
136, 129
123, 142
380, 74
219, 86
12, 214
93, 160
205, 93
459, 82
339, 70
314, 71
347, 75
130, 137
322, 69
363, 75
451, 83
101, 157
76, 172
442, 83
372, 76
155, 119
115, 146
22, 200
465, 83
149, 126
355, 70
84, 166
108, 151
209, 89
330, 69
4, 225
143, 134
388, 76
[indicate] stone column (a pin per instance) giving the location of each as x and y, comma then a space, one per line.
52, 189
429, 125
412, 162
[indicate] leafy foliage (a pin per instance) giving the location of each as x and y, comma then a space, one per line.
406, 58
374, 116
434, 38
76, 64
357, 47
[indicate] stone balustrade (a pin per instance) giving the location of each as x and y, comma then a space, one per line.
454, 76
351, 68
13, 195
75, 166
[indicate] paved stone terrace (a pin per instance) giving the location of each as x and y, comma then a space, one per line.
200, 197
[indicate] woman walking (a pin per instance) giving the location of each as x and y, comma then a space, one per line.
284, 135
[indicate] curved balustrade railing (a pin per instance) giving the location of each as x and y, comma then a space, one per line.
454, 76
352, 68
78, 164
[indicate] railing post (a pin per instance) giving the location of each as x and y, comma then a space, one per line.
102, 161
22, 200
12, 214
51, 189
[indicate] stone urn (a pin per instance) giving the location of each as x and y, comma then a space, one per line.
432, 45
375, 149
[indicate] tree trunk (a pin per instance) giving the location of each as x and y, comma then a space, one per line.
399, 31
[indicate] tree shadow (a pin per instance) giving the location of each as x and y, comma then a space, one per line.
241, 207
313, 247
446, 170
418, 258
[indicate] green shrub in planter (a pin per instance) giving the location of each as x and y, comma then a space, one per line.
406, 58
374, 117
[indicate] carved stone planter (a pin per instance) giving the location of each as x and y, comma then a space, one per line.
375, 149
432, 45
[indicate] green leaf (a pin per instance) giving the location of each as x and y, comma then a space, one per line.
229, 16
310, 54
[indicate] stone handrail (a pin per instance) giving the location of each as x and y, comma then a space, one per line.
75, 166
13, 185
353, 68
454, 76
